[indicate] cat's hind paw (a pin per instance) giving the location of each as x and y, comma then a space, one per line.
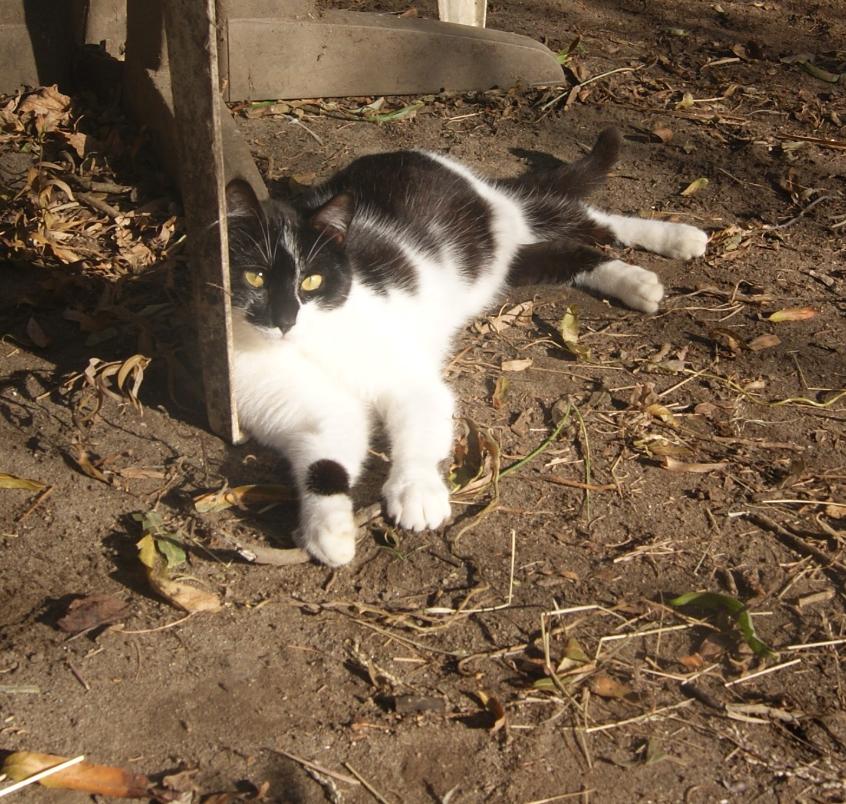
683, 242
417, 501
327, 529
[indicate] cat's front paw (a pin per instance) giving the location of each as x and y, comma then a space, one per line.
634, 286
417, 501
327, 529
684, 242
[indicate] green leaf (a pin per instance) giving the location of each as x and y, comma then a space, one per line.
397, 114
173, 552
157, 542
714, 601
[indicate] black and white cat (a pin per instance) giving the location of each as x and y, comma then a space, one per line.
345, 307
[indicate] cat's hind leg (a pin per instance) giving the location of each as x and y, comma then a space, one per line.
418, 418
676, 240
571, 262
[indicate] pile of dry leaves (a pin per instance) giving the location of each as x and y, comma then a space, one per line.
63, 201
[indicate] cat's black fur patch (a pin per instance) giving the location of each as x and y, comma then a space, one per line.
434, 206
553, 261
327, 477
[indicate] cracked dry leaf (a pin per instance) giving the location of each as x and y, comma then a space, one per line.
101, 780
475, 461
514, 316
90, 466
662, 414
493, 706
243, 497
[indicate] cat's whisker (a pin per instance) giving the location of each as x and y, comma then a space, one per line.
220, 288
322, 241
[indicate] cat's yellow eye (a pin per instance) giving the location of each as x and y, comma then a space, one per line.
253, 279
312, 282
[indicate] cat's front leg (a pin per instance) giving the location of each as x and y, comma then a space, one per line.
326, 457
419, 423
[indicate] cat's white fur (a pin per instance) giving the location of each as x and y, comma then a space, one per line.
312, 393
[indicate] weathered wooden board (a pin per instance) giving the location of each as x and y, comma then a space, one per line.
192, 54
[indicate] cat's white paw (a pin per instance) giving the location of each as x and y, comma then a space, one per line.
327, 529
684, 242
417, 501
641, 289
634, 286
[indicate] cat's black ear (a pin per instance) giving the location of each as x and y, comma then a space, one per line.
333, 218
241, 200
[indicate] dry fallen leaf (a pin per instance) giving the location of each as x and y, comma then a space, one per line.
499, 391
792, 314
605, 686
663, 133
495, 709
568, 329
519, 314
695, 186
156, 555
520, 364
243, 497
763, 342
475, 463
36, 334
91, 611
662, 413
13, 482
672, 465
182, 595
101, 780
692, 661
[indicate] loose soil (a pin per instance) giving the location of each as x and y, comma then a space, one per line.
529, 651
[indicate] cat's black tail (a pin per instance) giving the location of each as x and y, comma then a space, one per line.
580, 178
577, 179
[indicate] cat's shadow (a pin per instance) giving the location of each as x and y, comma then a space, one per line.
537, 160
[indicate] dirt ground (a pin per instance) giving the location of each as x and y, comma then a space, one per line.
529, 652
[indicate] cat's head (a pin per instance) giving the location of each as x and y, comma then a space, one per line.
282, 260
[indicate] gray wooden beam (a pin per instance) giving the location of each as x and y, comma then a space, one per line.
192, 54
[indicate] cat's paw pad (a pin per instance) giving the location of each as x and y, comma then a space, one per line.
640, 289
327, 529
684, 242
417, 501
